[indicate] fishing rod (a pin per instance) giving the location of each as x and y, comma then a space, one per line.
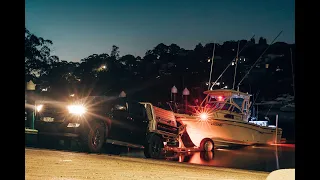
256, 97
235, 68
254, 100
294, 93
258, 59
214, 48
231, 62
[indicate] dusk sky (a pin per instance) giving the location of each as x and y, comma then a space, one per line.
79, 28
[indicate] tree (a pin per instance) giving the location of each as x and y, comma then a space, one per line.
61, 76
163, 64
129, 61
92, 65
174, 49
262, 41
115, 52
38, 60
253, 41
148, 64
160, 50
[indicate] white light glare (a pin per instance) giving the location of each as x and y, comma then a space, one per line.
77, 109
204, 116
39, 107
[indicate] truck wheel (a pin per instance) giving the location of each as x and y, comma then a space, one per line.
206, 145
93, 141
67, 143
154, 147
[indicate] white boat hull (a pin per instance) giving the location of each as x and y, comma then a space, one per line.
228, 132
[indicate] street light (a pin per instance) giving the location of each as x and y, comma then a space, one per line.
31, 86
174, 91
186, 93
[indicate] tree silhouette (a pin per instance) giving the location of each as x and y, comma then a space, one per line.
161, 68
253, 41
38, 59
262, 41
115, 52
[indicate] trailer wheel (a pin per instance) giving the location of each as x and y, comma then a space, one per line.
206, 156
93, 139
154, 147
206, 145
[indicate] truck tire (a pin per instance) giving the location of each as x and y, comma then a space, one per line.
153, 148
94, 138
67, 143
206, 145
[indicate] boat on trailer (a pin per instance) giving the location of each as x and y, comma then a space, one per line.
222, 119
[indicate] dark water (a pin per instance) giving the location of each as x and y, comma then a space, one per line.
288, 130
286, 121
259, 158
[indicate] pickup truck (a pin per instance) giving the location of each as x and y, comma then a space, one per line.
96, 120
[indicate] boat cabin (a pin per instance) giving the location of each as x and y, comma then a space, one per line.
228, 104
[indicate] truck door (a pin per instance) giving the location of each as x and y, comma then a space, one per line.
120, 127
139, 123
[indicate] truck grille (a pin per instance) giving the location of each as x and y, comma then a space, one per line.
55, 112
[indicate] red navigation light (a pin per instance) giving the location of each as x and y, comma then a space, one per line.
204, 116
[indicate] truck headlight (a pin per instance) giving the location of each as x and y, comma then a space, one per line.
39, 107
77, 109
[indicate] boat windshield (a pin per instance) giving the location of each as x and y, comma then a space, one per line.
228, 100
223, 105
238, 101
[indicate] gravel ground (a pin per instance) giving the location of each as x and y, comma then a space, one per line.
62, 165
